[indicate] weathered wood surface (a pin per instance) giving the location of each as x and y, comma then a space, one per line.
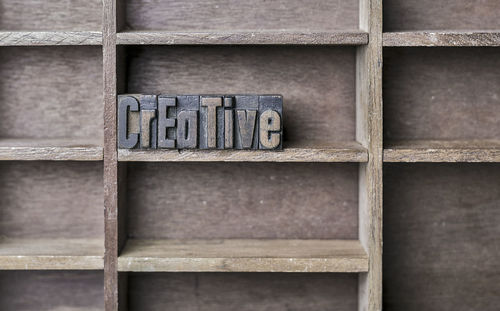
50, 149
51, 199
441, 237
51, 92
51, 290
317, 83
75, 15
243, 256
262, 200
441, 94
442, 151
442, 14
338, 152
242, 291
50, 38
242, 37
442, 38
200, 15
51, 254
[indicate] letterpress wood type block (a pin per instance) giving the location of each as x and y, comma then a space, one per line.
246, 126
127, 137
228, 123
149, 122
187, 121
271, 122
167, 116
211, 122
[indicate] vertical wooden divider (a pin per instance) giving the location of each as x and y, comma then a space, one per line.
369, 133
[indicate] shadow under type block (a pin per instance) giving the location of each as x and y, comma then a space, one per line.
52, 215
242, 291
51, 290
441, 237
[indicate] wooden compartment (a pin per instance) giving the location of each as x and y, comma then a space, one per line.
411, 15
36, 15
52, 215
442, 98
51, 98
51, 290
231, 291
441, 237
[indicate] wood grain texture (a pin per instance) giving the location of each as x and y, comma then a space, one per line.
202, 15
51, 254
50, 149
41, 15
242, 38
51, 199
339, 152
442, 151
317, 83
441, 14
51, 290
441, 94
242, 291
58, 87
262, 200
442, 38
50, 38
441, 237
243, 256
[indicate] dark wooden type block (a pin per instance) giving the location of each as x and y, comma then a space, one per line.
228, 123
246, 127
187, 121
126, 139
167, 116
149, 122
270, 122
211, 122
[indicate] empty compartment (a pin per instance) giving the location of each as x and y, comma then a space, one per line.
253, 15
53, 15
317, 83
242, 291
441, 94
408, 15
441, 237
51, 290
51, 96
242, 200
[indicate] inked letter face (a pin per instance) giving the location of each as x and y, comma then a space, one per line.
210, 112
270, 126
166, 121
187, 129
127, 138
246, 124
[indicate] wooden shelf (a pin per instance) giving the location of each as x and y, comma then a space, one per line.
51, 254
243, 256
442, 38
339, 152
50, 149
50, 38
442, 151
244, 37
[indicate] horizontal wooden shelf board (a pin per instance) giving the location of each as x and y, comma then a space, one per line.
339, 152
50, 149
50, 38
242, 37
51, 254
442, 38
442, 151
238, 255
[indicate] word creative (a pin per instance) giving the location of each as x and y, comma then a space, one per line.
200, 121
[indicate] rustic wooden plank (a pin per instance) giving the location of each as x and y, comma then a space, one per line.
50, 38
442, 151
50, 149
51, 254
340, 152
242, 38
442, 38
369, 131
243, 256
